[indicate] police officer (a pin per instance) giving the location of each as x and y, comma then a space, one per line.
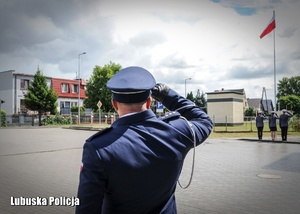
260, 124
273, 125
133, 166
284, 124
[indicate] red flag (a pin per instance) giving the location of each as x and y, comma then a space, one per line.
271, 26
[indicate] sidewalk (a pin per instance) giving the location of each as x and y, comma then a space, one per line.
292, 139
231, 175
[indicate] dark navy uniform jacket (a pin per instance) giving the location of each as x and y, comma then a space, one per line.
272, 121
260, 121
284, 119
133, 166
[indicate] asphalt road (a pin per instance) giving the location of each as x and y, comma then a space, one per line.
231, 175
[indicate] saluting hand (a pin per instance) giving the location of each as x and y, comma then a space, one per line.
160, 92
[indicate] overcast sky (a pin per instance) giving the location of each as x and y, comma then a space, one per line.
216, 43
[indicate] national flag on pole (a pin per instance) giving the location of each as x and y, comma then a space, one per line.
271, 26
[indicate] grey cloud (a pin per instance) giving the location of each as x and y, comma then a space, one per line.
25, 23
242, 72
249, 7
52, 33
178, 76
295, 55
288, 32
178, 18
148, 39
174, 62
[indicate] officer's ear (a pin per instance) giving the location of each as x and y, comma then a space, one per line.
114, 104
148, 102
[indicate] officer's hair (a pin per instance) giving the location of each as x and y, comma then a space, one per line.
135, 104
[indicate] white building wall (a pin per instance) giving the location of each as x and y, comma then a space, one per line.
238, 109
11, 91
226, 108
6, 91
219, 110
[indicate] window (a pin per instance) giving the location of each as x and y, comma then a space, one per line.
24, 84
73, 104
65, 107
67, 104
75, 88
65, 88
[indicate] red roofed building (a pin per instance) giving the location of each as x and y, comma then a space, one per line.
67, 91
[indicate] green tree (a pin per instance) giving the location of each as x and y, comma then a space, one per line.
289, 86
40, 97
200, 99
250, 112
190, 96
96, 87
290, 102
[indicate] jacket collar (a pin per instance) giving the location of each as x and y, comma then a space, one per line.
134, 118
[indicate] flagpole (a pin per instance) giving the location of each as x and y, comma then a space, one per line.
275, 85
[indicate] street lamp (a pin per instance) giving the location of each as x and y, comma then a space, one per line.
185, 85
79, 86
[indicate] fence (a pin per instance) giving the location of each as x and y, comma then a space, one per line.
247, 125
22, 120
94, 118
33, 120
228, 123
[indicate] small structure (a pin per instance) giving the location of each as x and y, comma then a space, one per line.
226, 107
261, 105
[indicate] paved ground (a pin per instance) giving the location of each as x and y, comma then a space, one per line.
231, 175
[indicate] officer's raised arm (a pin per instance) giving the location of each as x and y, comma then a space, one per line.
194, 114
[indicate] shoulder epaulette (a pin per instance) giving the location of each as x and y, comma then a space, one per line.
101, 132
170, 116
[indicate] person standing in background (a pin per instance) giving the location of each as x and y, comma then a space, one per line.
273, 125
284, 124
260, 124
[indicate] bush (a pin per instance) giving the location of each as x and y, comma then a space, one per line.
74, 109
3, 118
56, 120
295, 124
250, 112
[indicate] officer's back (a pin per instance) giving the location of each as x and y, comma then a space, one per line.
133, 166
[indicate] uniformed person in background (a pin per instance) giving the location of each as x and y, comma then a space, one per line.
260, 124
133, 166
284, 123
273, 125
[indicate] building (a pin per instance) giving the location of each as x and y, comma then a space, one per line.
67, 91
261, 105
13, 87
227, 106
